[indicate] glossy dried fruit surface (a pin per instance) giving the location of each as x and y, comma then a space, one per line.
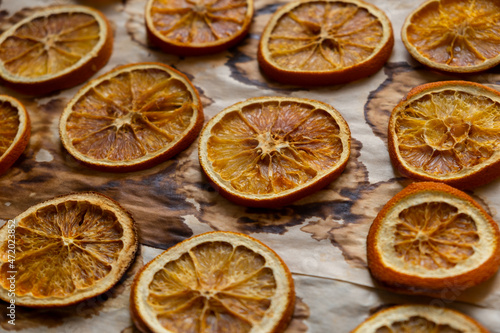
447, 131
55, 48
66, 249
197, 27
132, 117
431, 236
267, 149
215, 282
419, 319
454, 35
325, 42
15, 130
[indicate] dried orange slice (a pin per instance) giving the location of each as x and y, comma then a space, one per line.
132, 118
318, 42
419, 318
459, 36
214, 282
15, 130
271, 151
65, 250
432, 238
448, 132
197, 27
55, 48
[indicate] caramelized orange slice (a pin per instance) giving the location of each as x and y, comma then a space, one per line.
15, 130
214, 282
132, 118
419, 319
460, 36
270, 151
318, 42
197, 27
448, 132
65, 250
55, 48
431, 238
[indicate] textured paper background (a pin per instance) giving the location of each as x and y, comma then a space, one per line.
173, 200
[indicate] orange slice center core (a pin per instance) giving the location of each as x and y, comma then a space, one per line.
435, 235
446, 134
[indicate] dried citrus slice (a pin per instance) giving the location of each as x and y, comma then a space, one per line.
15, 130
460, 36
419, 318
55, 48
317, 42
271, 151
197, 27
448, 132
431, 238
132, 118
65, 250
214, 282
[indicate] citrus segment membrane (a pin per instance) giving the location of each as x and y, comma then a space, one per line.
431, 236
419, 318
57, 47
454, 35
66, 250
131, 117
214, 282
15, 131
325, 41
197, 27
447, 131
267, 148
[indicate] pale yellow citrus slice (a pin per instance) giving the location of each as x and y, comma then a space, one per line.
419, 319
271, 151
132, 118
448, 132
197, 27
214, 282
319, 42
459, 36
15, 130
55, 48
65, 250
431, 238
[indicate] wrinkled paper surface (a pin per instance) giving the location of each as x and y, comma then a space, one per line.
321, 237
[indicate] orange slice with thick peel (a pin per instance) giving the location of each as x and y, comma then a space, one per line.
419, 319
65, 250
55, 48
214, 282
458, 36
271, 151
197, 27
320, 42
15, 130
432, 239
132, 118
447, 132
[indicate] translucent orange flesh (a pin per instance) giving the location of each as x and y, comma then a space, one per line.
132, 115
457, 32
214, 287
272, 147
324, 36
434, 235
417, 324
198, 22
50, 44
447, 132
61, 249
9, 125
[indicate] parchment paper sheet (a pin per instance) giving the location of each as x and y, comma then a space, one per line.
321, 237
